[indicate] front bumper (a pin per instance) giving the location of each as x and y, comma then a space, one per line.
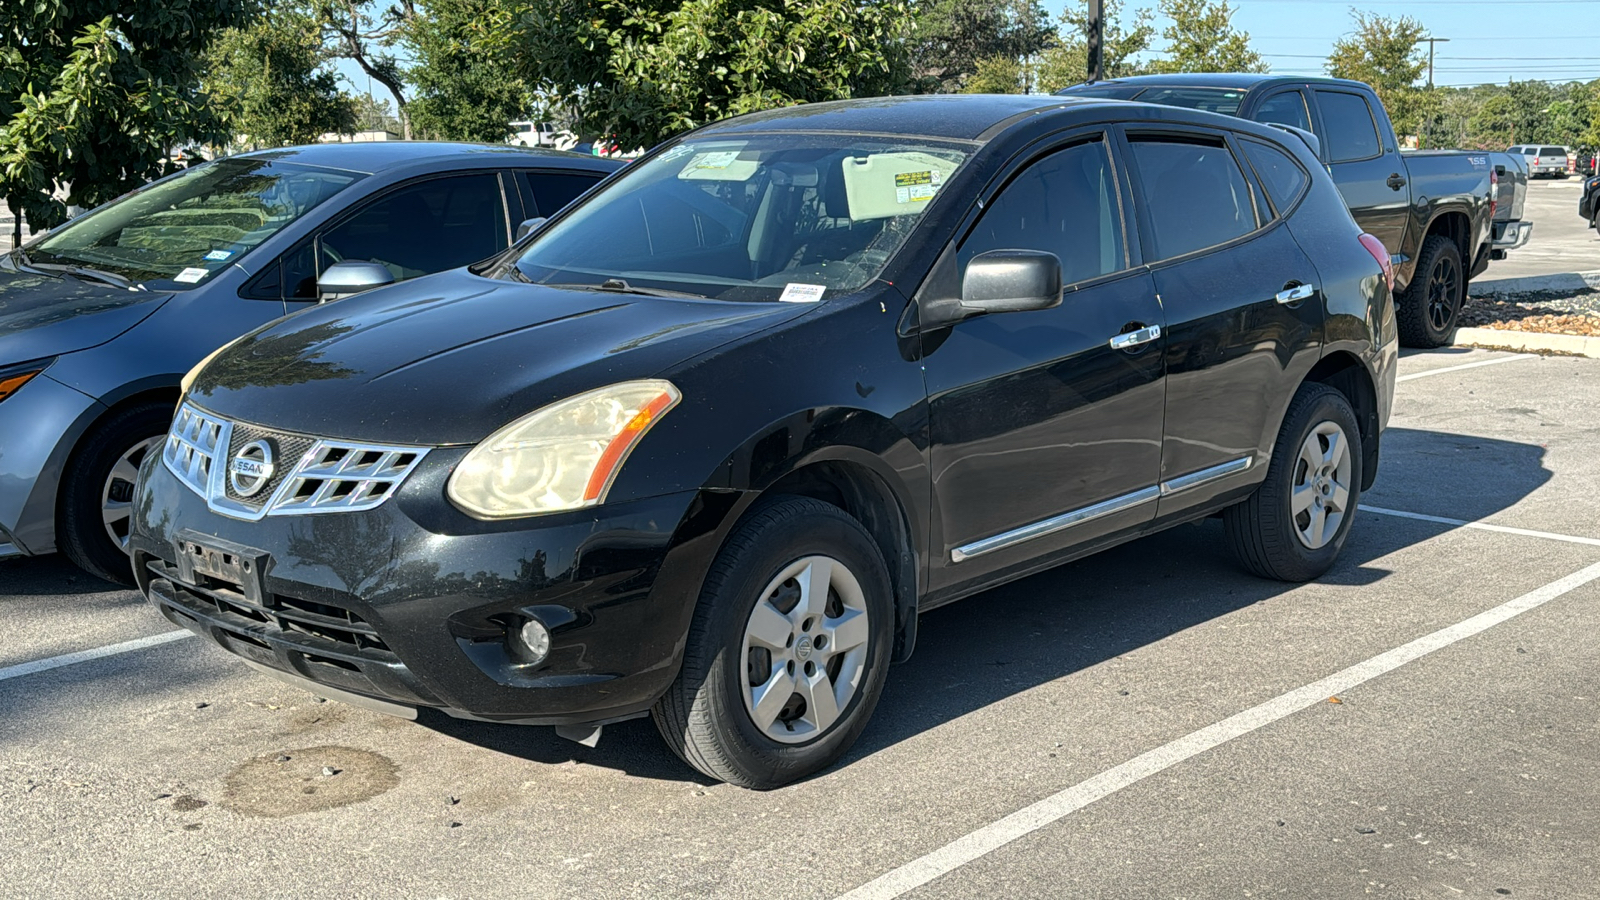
413, 604
38, 426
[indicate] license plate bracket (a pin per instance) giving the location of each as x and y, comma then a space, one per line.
206, 557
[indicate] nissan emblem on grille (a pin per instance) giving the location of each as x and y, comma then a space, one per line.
251, 468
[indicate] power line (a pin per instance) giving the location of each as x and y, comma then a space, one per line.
1590, 58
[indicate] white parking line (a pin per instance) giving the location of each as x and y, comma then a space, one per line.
67, 659
1029, 819
1481, 526
1471, 365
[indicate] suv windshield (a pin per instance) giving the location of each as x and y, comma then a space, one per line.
185, 228
764, 217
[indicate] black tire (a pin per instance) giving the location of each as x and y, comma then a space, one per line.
703, 717
1430, 309
80, 527
1263, 531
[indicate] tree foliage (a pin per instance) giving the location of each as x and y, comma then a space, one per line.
955, 40
93, 93
1067, 63
1201, 38
466, 84
366, 32
1383, 53
642, 70
996, 75
272, 83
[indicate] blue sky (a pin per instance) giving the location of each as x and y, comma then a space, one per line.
1490, 40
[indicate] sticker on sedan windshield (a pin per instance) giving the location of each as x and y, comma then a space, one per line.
715, 160
802, 293
191, 275
219, 255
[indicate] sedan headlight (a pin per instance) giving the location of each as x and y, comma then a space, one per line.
562, 457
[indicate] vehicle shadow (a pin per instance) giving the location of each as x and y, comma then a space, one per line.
987, 648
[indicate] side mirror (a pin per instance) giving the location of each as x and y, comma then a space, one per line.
350, 277
1011, 281
529, 225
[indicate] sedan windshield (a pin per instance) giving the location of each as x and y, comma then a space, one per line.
183, 229
764, 217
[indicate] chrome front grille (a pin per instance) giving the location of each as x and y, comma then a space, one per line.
310, 475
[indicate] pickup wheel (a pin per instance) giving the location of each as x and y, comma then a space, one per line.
95, 509
788, 650
1430, 308
1294, 525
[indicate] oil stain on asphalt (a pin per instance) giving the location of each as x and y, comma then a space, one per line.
292, 782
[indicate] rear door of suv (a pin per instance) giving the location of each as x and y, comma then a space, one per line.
1244, 315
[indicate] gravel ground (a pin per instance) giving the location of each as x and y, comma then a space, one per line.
1547, 312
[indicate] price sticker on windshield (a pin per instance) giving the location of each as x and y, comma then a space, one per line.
191, 275
802, 293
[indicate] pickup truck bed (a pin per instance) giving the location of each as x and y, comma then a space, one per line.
1434, 210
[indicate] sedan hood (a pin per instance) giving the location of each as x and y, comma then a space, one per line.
450, 358
42, 315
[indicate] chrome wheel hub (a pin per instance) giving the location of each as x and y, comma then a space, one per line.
1320, 496
116, 497
804, 649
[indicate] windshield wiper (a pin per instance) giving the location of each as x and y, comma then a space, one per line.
618, 286
92, 274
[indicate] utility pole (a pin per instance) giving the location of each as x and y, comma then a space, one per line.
1431, 41
1097, 36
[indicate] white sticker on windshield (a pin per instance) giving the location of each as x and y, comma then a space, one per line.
716, 160
219, 255
802, 293
191, 275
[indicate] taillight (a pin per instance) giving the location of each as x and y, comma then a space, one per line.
1381, 254
1494, 191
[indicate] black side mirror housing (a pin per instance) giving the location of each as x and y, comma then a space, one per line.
1002, 281
351, 276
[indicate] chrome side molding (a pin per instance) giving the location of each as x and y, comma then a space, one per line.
1195, 479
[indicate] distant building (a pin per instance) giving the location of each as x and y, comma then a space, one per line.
360, 137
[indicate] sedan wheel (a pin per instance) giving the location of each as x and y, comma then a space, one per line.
1321, 494
116, 498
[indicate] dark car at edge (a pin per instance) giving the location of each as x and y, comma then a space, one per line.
706, 444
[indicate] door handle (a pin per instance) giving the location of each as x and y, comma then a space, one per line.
1296, 294
1396, 181
1135, 338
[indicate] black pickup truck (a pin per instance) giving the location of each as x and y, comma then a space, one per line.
1433, 209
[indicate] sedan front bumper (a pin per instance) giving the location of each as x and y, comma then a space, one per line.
413, 604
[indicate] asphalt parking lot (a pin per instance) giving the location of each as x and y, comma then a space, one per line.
1150, 722
1561, 241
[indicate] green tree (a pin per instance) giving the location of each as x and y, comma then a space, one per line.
93, 94
273, 83
1067, 63
1383, 53
366, 32
1201, 38
643, 70
1495, 122
375, 114
466, 84
996, 75
954, 39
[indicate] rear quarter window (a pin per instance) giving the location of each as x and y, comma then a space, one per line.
1283, 178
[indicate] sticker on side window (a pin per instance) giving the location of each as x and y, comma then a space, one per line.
190, 275
802, 293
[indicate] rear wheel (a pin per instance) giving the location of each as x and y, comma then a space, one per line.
1430, 308
96, 493
788, 651
1294, 525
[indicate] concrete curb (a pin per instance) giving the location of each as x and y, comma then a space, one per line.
1528, 341
1565, 281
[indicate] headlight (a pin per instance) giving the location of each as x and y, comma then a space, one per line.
561, 457
12, 378
188, 380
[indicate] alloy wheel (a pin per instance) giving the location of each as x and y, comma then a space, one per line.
1444, 293
1320, 496
116, 498
805, 649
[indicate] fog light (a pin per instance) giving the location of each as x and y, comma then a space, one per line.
536, 638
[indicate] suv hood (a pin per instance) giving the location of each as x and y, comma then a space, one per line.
450, 358
43, 315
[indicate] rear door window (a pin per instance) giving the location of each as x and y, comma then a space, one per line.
1285, 181
1287, 108
554, 190
1194, 194
1065, 203
1349, 130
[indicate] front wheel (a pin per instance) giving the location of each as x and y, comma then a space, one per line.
96, 493
788, 651
1293, 526
1430, 308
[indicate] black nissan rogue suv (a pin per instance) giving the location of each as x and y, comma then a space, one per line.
707, 442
